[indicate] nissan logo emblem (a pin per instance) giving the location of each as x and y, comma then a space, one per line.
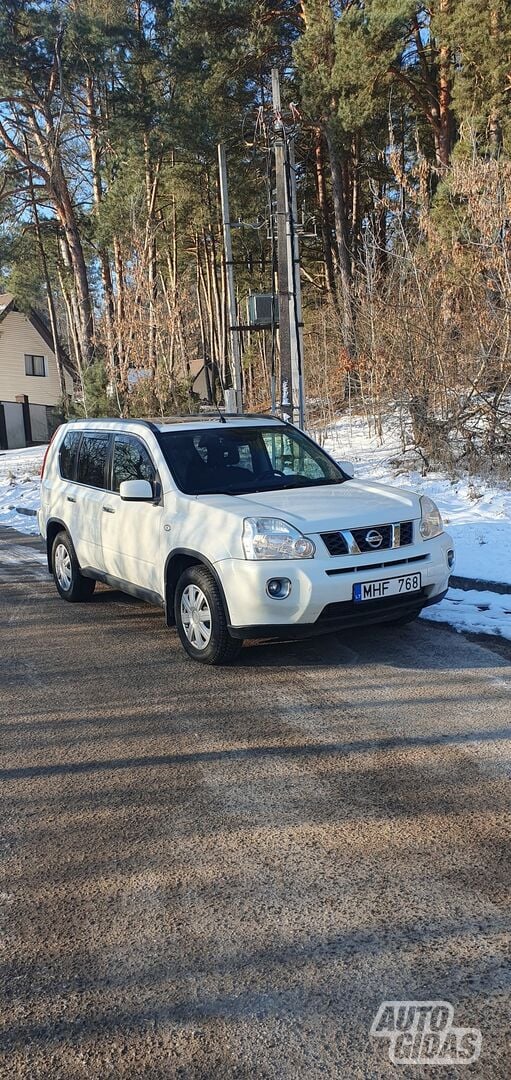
374, 538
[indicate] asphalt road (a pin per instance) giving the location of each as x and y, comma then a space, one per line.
216, 873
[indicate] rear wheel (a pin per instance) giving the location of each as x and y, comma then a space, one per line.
71, 584
200, 618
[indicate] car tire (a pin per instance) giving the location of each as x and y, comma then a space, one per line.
71, 584
200, 618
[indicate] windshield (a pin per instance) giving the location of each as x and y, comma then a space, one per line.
237, 461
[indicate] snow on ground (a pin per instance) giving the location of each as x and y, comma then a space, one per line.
477, 514
478, 612
19, 486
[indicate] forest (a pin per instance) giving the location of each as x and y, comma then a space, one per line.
111, 112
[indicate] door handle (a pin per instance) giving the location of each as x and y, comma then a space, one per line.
71, 499
108, 510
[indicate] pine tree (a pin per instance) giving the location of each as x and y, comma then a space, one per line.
480, 36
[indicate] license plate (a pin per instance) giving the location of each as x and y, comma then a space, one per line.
378, 590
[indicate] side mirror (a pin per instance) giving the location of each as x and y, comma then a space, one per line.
136, 490
347, 467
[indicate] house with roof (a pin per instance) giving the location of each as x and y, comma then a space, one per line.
29, 380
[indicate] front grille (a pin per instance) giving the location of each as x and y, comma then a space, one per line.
335, 543
359, 569
358, 541
360, 538
406, 533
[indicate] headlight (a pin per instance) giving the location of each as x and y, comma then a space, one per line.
271, 538
431, 519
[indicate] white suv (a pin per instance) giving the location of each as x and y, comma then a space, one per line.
239, 526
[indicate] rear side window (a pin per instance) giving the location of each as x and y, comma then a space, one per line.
92, 460
131, 461
67, 454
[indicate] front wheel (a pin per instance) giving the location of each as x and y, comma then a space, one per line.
71, 584
200, 618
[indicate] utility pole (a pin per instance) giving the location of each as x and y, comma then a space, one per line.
295, 299
233, 314
288, 267
286, 372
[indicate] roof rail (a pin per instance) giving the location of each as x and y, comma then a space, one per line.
113, 419
213, 415
155, 423
254, 416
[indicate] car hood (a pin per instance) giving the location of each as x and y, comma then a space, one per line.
354, 504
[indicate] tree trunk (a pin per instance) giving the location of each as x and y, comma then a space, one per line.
212, 306
71, 323
49, 293
220, 312
200, 305
47, 163
381, 231
324, 212
495, 137
355, 202
97, 189
120, 312
151, 183
442, 117
66, 215
49, 150
343, 252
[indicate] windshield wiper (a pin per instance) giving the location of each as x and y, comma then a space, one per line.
282, 487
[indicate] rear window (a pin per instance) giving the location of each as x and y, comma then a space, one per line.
92, 460
67, 454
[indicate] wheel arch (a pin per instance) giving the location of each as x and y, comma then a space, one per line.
178, 560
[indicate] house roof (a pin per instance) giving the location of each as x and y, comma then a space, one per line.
8, 303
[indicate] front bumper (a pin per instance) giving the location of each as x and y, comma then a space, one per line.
343, 616
322, 589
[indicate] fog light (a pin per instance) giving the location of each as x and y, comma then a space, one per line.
278, 588
450, 558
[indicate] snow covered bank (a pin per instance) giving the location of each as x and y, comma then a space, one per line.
19, 486
477, 515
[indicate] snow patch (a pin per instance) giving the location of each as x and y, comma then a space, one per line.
478, 612
19, 486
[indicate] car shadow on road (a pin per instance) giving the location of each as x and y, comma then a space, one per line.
104, 595
419, 645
